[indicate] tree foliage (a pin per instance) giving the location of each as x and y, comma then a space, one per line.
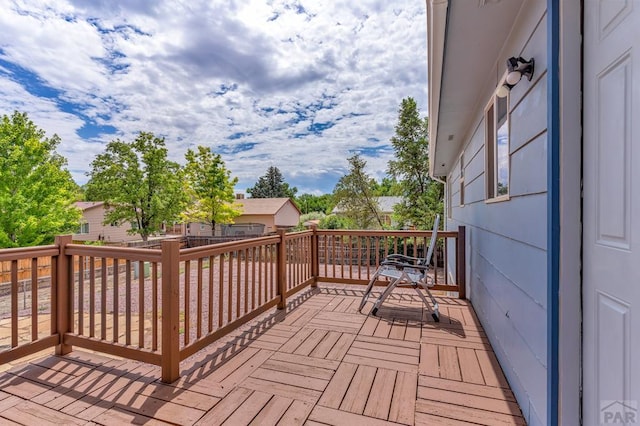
138, 184
423, 197
308, 203
210, 189
388, 187
36, 191
355, 197
272, 185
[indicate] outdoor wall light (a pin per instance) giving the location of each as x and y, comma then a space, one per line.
516, 69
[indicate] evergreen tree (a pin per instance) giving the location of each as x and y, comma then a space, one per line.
423, 197
272, 185
355, 197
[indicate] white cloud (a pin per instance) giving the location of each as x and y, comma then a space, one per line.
201, 71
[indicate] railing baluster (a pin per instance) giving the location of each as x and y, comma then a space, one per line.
34, 299
211, 296
116, 295
103, 298
261, 273
127, 303
230, 297
253, 278
81, 272
141, 298
246, 281
238, 282
187, 302
154, 306
14, 303
92, 296
221, 290
199, 301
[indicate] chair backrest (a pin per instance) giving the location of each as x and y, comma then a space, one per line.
432, 241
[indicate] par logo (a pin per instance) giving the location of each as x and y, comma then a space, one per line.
619, 412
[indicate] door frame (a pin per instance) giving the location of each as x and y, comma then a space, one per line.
570, 215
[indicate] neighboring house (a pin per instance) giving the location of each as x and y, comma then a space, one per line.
385, 205
541, 175
272, 213
92, 228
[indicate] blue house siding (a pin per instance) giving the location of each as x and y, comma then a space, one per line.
507, 258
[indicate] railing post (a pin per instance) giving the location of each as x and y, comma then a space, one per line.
64, 304
315, 269
170, 310
461, 263
282, 269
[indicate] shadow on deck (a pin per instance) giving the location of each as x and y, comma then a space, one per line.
321, 363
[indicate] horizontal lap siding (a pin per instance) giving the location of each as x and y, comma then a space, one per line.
507, 241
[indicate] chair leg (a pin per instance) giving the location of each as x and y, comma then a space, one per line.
387, 291
367, 291
435, 313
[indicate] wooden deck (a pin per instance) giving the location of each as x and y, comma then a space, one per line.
322, 363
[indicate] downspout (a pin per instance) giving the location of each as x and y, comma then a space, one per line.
553, 209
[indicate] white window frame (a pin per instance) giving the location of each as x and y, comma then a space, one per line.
84, 228
493, 126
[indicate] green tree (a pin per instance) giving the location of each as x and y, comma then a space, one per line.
388, 187
36, 191
423, 197
138, 184
355, 197
308, 203
210, 189
334, 221
272, 185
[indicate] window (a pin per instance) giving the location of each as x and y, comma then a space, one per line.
84, 228
497, 147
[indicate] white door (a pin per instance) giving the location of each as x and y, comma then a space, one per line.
611, 209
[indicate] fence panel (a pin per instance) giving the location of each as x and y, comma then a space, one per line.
27, 300
223, 286
351, 256
115, 301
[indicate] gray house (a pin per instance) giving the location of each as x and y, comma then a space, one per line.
532, 129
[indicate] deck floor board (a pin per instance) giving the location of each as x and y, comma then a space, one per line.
320, 363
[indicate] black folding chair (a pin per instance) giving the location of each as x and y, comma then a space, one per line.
406, 271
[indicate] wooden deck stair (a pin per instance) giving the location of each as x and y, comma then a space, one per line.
321, 363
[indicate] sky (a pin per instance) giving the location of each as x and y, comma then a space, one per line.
299, 85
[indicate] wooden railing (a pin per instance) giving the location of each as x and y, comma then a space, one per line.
161, 306
351, 257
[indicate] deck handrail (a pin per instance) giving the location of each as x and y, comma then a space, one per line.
164, 305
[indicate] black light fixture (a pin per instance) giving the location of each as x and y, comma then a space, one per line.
516, 69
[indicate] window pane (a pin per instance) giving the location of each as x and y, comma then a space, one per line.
501, 113
502, 145
489, 146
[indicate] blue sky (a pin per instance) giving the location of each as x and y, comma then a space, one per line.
300, 85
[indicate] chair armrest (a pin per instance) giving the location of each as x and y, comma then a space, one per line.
402, 265
404, 257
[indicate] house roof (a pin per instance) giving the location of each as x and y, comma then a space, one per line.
264, 206
386, 203
465, 41
86, 205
